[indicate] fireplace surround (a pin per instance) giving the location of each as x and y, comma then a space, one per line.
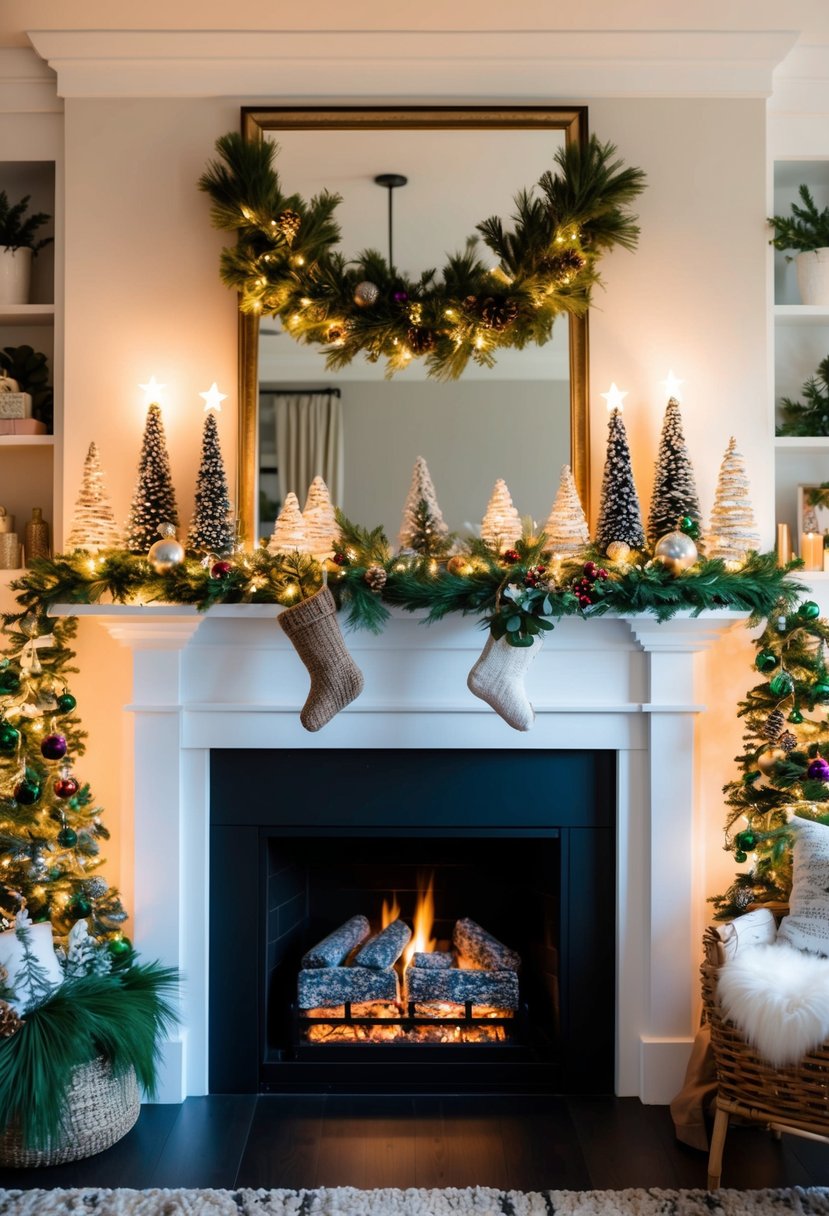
229, 680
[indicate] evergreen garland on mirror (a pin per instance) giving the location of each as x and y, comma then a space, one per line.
154, 498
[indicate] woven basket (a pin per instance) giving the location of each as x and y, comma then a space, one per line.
101, 1109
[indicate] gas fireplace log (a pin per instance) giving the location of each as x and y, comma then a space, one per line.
436, 960
331, 951
426, 984
474, 943
336, 985
385, 949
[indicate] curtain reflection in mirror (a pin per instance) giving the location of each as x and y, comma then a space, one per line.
300, 437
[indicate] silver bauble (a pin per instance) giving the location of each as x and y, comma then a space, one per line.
167, 552
676, 552
366, 293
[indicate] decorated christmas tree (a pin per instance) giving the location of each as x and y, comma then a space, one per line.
423, 528
674, 488
289, 531
620, 518
783, 769
211, 528
566, 529
732, 531
50, 825
320, 518
154, 499
93, 525
501, 525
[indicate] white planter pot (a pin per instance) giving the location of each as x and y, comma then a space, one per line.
813, 275
15, 275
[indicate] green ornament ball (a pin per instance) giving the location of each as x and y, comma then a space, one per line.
26, 792
67, 838
9, 682
740, 856
766, 661
9, 737
119, 947
820, 690
80, 907
796, 716
809, 611
689, 526
782, 684
66, 703
745, 841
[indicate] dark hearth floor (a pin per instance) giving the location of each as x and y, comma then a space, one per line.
520, 1143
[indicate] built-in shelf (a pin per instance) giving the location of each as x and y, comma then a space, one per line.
29, 441
801, 314
802, 444
27, 314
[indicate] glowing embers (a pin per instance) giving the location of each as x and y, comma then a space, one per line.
377, 1022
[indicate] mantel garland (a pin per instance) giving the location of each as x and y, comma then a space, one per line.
284, 263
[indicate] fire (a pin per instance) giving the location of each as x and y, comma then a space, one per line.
423, 921
391, 911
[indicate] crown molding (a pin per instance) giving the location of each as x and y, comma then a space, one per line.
27, 84
529, 64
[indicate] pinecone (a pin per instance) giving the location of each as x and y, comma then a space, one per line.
787, 741
10, 1021
774, 726
376, 577
289, 223
743, 896
498, 313
562, 266
420, 340
335, 333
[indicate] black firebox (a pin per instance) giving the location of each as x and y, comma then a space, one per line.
520, 843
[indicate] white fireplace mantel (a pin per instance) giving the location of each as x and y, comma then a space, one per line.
229, 678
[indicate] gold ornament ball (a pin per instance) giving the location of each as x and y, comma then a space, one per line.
618, 551
767, 761
167, 552
676, 552
458, 565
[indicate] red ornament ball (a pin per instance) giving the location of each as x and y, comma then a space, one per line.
591, 570
340, 559
66, 787
511, 555
220, 569
53, 747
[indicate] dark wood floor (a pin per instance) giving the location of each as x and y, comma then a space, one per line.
520, 1143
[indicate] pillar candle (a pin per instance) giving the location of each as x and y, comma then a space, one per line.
811, 550
784, 544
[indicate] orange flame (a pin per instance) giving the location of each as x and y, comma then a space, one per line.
423, 922
391, 911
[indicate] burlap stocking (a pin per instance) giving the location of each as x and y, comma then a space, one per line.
336, 680
498, 679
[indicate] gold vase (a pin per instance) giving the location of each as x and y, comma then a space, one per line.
9, 551
36, 542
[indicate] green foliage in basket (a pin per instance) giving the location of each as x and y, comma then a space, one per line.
120, 1017
30, 368
805, 229
17, 230
811, 415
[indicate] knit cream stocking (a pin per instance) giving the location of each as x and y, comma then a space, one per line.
336, 680
498, 679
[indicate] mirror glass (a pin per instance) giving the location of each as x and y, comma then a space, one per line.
511, 421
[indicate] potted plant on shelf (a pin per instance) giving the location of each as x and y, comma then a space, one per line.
18, 245
806, 230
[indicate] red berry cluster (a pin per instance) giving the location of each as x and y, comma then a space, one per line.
511, 555
584, 587
534, 575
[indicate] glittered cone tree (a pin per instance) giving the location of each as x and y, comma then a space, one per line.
211, 529
423, 528
732, 532
566, 529
50, 825
620, 518
93, 525
784, 767
154, 499
674, 494
289, 532
501, 525
320, 517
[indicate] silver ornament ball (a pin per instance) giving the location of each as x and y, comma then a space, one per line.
167, 552
676, 552
366, 294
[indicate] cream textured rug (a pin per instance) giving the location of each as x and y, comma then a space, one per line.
474, 1201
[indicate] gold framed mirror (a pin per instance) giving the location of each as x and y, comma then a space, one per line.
490, 143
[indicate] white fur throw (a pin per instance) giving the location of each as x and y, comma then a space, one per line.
779, 998
807, 925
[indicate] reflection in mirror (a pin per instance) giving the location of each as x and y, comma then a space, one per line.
363, 432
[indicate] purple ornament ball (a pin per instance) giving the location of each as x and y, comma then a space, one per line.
818, 770
400, 297
53, 747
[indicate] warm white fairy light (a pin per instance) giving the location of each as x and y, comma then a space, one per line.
213, 398
614, 398
152, 391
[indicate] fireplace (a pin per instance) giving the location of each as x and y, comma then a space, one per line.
516, 849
